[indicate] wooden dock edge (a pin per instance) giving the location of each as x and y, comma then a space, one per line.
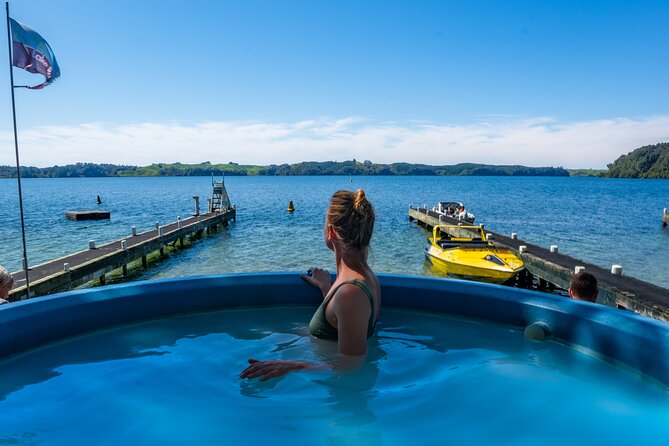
115, 259
641, 297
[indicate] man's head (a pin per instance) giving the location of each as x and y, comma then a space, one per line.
6, 283
583, 286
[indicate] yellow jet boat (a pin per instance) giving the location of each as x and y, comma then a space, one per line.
464, 252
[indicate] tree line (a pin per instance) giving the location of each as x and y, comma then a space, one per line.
645, 162
351, 167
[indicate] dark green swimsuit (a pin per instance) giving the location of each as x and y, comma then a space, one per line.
319, 325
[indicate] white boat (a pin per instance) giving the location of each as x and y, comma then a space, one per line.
454, 209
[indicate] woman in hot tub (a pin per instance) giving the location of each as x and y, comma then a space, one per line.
351, 304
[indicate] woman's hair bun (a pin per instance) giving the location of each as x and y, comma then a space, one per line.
359, 199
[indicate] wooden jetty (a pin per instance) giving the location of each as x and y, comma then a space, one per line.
88, 215
556, 268
76, 269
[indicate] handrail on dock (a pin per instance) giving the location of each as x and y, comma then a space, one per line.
557, 268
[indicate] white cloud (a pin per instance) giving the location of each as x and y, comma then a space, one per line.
537, 141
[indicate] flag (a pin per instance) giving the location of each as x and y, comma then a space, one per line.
33, 54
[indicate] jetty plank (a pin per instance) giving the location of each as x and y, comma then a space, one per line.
558, 269
91, 264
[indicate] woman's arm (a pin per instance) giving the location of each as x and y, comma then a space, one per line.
352, 309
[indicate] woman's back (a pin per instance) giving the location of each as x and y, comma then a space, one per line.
323, 327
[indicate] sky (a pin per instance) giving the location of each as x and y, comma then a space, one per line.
539, 83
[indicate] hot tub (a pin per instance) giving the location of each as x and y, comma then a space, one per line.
159, 362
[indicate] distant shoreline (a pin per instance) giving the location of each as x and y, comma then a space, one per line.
308, 168
645, 162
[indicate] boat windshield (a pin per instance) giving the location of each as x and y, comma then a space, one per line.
494, 259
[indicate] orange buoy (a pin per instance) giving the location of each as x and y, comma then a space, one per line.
291, 207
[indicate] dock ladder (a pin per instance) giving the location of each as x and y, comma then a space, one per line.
219, 201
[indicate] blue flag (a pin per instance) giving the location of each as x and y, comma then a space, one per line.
33, 54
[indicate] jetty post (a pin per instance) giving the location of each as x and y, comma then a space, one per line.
197, 205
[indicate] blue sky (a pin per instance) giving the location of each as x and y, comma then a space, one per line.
571, 83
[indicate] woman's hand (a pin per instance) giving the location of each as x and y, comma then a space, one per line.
320, 278
271, 369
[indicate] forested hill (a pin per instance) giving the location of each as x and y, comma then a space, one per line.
352, 167
644, 162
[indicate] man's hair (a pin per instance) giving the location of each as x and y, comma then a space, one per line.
584, 286
5, 277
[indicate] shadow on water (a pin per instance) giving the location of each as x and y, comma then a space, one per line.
350, 397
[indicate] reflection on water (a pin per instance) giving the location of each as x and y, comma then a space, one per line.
351, 392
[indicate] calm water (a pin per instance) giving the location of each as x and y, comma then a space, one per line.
429, 379
602, 221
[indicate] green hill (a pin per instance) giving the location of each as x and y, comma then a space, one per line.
352, 167
644, 162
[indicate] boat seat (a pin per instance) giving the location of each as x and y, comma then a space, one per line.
451, 244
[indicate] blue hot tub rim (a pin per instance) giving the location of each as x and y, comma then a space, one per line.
635, 341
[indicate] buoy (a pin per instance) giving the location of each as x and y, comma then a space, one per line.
291, 207
99, 200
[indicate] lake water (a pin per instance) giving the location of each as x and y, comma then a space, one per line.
602, 221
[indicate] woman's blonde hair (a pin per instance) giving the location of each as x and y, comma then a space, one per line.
352, 216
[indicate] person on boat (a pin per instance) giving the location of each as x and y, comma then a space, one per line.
583, 286
6, 284
351, 304
462, 213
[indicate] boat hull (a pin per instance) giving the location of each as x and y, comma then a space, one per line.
471, 263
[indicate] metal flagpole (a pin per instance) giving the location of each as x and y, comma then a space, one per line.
16, 149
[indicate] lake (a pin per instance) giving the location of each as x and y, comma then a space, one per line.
602, 221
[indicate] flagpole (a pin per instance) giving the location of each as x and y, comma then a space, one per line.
16, 150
